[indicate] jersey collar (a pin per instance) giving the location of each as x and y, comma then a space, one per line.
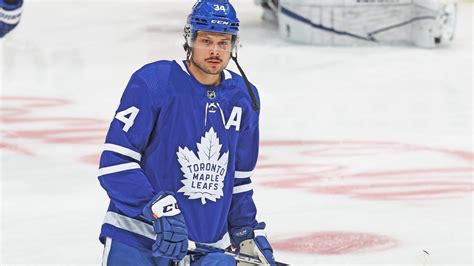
181, 63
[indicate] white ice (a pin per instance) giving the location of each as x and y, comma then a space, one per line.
366, 153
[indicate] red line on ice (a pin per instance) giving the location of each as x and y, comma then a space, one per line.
335, 243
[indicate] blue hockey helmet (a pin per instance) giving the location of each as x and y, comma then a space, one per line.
214, 16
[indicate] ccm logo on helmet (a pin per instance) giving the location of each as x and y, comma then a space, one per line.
220, 22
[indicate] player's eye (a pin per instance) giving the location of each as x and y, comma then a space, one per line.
206, 41
224, 44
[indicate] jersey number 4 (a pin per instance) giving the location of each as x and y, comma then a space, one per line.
127, 117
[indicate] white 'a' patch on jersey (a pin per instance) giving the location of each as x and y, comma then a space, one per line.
204, 173
235, 117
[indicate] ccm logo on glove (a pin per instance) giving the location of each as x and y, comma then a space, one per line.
167, 206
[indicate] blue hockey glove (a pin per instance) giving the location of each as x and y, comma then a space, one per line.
168, 223
253, 242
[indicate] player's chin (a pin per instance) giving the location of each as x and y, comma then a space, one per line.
215, 66
214, 70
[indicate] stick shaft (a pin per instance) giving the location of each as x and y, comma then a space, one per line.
197, 248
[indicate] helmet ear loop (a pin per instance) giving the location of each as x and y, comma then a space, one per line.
188, 47
235, 47
188, 42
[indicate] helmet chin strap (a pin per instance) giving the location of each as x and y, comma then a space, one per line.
255, 105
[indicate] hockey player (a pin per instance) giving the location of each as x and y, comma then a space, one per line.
10, 13
180, 152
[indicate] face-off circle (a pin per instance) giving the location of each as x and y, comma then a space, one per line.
335, 243
365, 170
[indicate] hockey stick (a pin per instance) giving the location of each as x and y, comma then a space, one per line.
196, 248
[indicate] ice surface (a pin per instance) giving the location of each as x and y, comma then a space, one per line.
366, 153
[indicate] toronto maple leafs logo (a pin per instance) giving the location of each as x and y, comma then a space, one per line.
204, 174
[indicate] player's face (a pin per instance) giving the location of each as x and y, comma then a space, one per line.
211, 52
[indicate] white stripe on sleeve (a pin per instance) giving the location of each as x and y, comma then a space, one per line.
129, 224
118, 168
123, 151
146, 230
242, 188
240, 174
223, 243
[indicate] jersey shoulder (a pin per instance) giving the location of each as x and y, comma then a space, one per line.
238, 81
157, 75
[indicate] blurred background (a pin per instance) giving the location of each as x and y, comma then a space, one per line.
366, 151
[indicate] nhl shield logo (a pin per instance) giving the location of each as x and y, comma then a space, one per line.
211, 94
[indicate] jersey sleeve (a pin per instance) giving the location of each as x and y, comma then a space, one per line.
10, 14
120, 172
243, 210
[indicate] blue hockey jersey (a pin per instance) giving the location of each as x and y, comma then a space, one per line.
172, 133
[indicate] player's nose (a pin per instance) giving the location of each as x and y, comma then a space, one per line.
214, 51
